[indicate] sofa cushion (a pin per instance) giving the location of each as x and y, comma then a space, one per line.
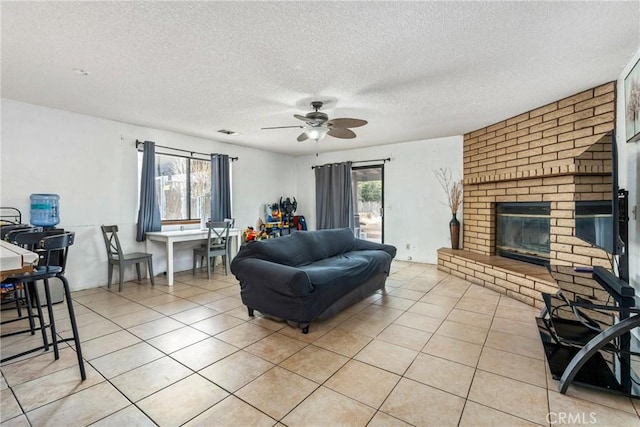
347, 268
301, 248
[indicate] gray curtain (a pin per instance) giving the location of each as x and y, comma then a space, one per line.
334, 202
149, 214
220, 187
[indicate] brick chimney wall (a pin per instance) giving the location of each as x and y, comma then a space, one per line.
532, 157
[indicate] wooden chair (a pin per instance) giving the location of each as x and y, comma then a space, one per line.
217, 245
115, 256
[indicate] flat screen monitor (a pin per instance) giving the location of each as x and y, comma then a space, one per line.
596, 208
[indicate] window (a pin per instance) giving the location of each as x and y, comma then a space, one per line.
367, 183
183, 186
200, 185
172, 186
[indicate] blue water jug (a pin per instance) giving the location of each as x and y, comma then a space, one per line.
45, 210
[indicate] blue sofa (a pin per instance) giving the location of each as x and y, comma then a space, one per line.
310, 275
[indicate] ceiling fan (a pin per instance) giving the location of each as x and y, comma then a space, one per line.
318, 125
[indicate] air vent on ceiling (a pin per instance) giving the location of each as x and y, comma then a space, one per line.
81, 72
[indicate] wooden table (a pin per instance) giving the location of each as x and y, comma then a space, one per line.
172, 237
14, 260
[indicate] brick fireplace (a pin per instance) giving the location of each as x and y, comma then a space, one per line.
559, 153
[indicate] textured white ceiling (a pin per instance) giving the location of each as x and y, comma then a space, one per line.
414, 70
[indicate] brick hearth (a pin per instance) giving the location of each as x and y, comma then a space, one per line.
532, 157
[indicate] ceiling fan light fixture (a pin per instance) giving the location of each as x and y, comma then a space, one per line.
316, 132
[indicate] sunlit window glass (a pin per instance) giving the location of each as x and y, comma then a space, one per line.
171, 186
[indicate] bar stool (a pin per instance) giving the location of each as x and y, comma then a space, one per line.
18, 293
49, 247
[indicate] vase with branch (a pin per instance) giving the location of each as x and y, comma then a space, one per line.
453, 190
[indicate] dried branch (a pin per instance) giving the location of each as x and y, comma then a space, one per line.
453, 188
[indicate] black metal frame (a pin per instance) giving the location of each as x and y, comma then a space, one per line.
10, 215
46, 246
573, 347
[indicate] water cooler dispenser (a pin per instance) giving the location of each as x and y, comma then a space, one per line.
45, 210
45, 213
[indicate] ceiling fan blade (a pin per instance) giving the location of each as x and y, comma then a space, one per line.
346, 123
302, 137
313, 118
341, 133
281, 127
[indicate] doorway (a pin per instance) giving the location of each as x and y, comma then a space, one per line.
368, 196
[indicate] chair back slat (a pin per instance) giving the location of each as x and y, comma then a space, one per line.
111, 241
218, 234
10, 236
29, 240
56, 243
45, 244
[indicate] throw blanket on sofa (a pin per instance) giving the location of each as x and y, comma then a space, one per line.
300, 276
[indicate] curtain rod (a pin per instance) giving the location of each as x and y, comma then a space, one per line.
388, 159
138, 143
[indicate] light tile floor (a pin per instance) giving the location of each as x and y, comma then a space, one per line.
431, 350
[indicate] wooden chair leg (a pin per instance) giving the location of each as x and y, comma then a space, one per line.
121, 273
110, 275
150, 267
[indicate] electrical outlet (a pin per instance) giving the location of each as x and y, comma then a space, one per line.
408, 245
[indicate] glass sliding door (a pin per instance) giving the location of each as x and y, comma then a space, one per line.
368, 196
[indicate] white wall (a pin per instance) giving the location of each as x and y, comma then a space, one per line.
414, 203
629, 176
92, 164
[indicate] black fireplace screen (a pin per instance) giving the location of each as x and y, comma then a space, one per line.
522, 231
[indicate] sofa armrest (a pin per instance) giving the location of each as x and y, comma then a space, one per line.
280, 278
364, 245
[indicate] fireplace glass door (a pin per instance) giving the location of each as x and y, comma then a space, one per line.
522, 231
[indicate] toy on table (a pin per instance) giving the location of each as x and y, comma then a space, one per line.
249, 234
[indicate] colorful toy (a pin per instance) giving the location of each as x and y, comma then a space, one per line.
249, 234
273, 213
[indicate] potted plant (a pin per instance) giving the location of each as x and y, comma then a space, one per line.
453, 190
